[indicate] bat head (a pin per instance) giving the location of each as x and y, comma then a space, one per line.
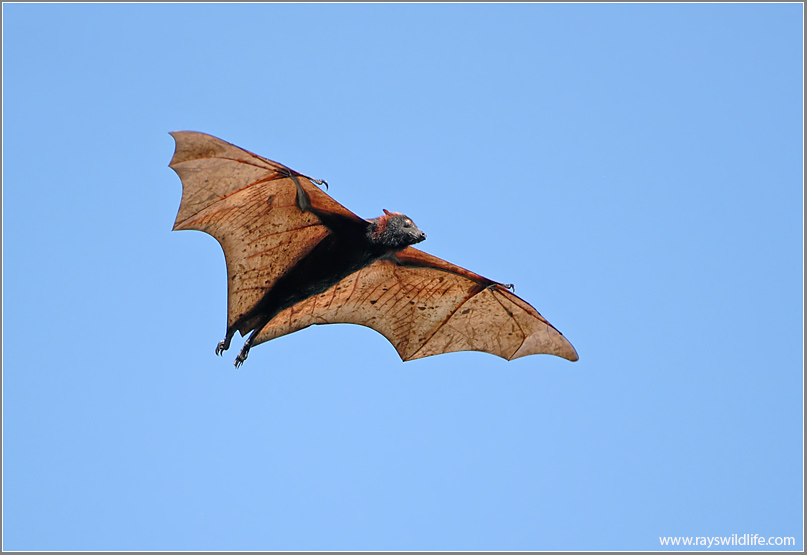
394, 231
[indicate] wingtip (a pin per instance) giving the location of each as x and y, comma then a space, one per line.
552, 343
567, 350
174, 135
186, 143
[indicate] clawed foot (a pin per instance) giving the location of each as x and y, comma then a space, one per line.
242, 356
222, 346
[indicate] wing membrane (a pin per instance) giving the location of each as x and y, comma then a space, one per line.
425, 306
249, 204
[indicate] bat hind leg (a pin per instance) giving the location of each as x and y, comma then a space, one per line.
244, 353
242, 356
224, 344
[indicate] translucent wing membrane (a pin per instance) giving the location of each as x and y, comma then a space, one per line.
425, 306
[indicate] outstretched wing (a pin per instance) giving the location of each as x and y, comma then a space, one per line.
249, 204
426, 306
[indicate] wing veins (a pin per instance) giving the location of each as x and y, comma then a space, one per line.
524, 335
228, 195
445, 321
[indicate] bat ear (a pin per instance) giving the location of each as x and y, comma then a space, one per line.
387, 212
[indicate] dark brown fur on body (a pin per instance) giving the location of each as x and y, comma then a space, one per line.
347, 249
334, 258
303, 259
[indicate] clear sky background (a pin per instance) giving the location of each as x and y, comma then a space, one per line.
635, 171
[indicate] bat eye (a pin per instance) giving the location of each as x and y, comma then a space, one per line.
408, 223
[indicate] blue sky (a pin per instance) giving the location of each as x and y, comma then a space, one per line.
635, 170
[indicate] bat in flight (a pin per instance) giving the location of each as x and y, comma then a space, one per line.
296, 257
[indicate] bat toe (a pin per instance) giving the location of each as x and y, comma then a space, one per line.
242, 356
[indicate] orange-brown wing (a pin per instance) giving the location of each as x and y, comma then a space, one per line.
426, 306
249, 204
